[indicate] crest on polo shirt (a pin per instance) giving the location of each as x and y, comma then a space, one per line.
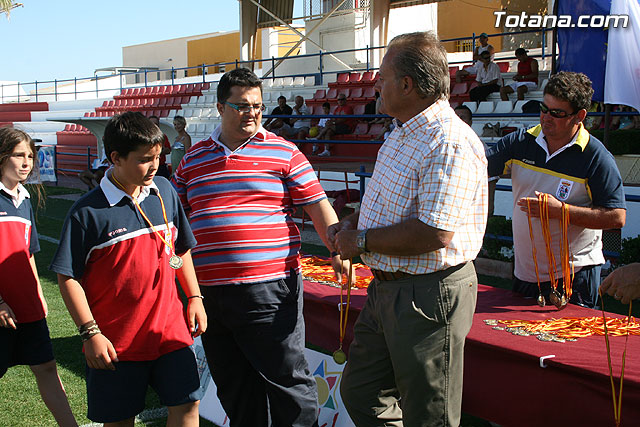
564, 189
26, 233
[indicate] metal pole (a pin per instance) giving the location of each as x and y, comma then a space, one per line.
55, 89
544, 40
97, 92
367, 51
36, 91
75, 88
18, 92
320, 67
88, 157
203, 74
55, 162
145, 77
172, 74
120, 72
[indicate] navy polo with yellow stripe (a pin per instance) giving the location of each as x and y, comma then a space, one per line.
582, 173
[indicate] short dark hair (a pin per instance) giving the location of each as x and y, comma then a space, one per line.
422, 57
282, 97
520, 51
575, 88
238, 77
153, 116
128, 131
463, 108
326, 104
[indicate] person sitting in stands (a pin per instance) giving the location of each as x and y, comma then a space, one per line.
338, 126
466, 116
163, 169
488, 78
96, 172
300, 127
277, 125
322, 124
526, 79
484, 46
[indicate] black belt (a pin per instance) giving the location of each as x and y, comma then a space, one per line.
387, 276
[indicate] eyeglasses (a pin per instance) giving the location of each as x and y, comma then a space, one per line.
557, 113
342, 99
246, 108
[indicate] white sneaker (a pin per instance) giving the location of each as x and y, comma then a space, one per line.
314, 149
325, 153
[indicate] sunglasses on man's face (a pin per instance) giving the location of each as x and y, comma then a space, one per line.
555, 112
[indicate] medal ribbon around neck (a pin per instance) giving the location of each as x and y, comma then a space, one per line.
175, 261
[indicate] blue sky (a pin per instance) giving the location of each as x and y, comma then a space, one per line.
46, 40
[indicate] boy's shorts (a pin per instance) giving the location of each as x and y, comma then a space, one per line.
119, 395
29, 344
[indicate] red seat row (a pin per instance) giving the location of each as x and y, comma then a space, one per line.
368, 78
161, 91
112, 112
74, 128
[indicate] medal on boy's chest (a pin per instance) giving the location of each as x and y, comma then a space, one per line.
175, 261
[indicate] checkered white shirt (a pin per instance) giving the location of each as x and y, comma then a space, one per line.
432, 168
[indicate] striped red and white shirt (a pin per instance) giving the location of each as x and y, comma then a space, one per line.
240, 204
432, 168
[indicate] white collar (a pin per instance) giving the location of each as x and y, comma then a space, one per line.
22, 194
114, 194
542, 142
215, 137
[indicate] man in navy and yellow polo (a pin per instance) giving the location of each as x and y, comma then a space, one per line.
559, 157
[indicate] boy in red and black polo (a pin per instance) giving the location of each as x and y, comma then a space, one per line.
122, 246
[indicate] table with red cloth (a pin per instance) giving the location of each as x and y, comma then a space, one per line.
503, 379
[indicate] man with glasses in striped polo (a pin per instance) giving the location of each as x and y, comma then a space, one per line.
560, 158
239, 189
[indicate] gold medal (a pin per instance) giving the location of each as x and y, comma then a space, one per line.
339, 357
541, 301
175, 262
491, 322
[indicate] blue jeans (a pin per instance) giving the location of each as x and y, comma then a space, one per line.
255, 350
585, 287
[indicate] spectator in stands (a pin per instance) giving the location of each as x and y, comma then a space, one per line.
488, 78
525, 80
560, 158
182, 142
247, 261
278, 125
466, 116
96, 172
623, 283
322, 125
593, 122
299, 127
628, 122
338, 126
484, 46
163, 169
419, 229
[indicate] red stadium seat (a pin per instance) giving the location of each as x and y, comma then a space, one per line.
504, 66
356, 94
320, 94
358, 109
344, 91
367, 77
460, 89
342, 79
375, 130
354, 78
361, 130
332, 94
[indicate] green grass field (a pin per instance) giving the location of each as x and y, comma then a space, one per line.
20, 403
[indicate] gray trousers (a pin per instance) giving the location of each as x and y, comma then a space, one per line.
405, 364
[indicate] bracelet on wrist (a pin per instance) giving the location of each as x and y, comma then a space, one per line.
334, 254
88, 330
196, 296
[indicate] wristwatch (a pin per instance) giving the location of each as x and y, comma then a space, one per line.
361, 240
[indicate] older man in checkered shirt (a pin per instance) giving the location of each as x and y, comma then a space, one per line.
421, 224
